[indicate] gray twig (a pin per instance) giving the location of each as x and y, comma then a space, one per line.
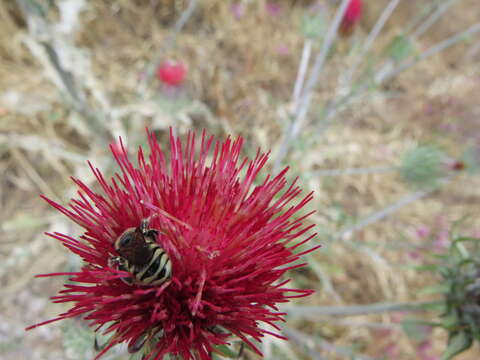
305, 341
354, 171
42, 43
432, 19
337, 104
354, 310
377, 28
434, 50
385, 212
310, 343
304, 102
302, 71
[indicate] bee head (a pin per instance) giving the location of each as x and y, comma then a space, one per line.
131, 246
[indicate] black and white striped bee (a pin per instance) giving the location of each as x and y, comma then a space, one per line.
141, 256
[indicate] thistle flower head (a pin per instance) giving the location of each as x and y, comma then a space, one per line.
230, 238
172, 73
459, 268
423, 166
351, 17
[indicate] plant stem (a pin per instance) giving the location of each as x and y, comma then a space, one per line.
434, 50
302, 71
306, 97
355, 171
310, 343
377, 28
385, 212
432, 19
305, 341
336, 105
354, 310
43, 43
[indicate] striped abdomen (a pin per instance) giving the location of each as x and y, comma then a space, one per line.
156, 271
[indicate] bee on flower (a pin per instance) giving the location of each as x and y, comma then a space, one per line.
183, 251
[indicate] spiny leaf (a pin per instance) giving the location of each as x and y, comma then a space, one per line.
435, 289
313, 26
458, 343
415, 329
400, 48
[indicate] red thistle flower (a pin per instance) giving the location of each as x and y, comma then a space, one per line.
351, 17
229, 243
171, 73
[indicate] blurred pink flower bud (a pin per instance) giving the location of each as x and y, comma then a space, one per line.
351, 17
422, 231
171, 73
238, 10
273, 9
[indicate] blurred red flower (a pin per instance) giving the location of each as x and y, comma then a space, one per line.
351, 17
229, 241
171, 73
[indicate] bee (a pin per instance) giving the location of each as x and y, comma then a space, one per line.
141, 256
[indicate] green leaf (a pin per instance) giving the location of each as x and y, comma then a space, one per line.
450, 321
438, 306
313, 26
226, 351
457, 343
426, 267
435, 289
400, 48
464, 238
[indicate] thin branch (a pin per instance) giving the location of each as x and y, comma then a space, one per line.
432, 19
336, 105
306, 342
473, 51
326, 283
434, 50
354, 171
354, 310
302, 71
304, 102
310, 343
377, 28
420, 15
43, 44
385, 212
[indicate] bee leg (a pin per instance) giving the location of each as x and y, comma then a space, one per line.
114, 262
97, 346
240, 352
119, 263
127, 280
144, 225
137, 345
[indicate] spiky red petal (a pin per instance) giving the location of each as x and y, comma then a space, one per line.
230, 242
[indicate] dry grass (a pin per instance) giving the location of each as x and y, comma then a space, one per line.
238, 70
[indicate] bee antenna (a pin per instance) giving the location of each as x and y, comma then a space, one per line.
164, 213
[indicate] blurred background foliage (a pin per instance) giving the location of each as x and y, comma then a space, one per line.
379, 117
